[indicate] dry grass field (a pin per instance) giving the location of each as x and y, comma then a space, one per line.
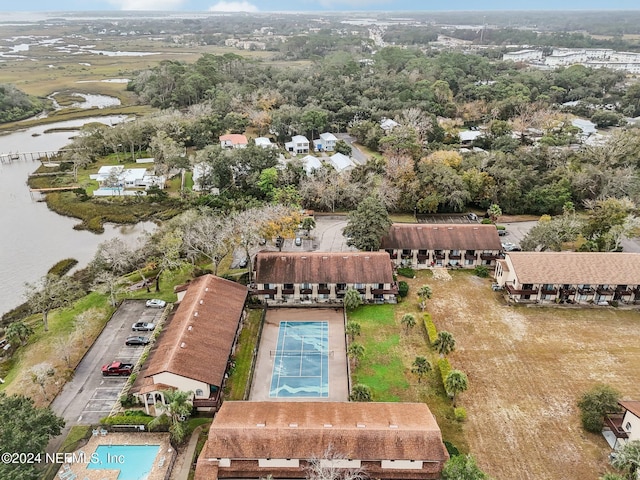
526, 368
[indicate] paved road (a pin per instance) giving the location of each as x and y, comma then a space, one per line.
516, 231
328, 235
90, 396
356, 153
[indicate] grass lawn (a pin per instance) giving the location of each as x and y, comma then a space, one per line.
526, 369
248, 342
386, 367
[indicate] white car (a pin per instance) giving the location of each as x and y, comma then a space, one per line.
156, 303
143, 327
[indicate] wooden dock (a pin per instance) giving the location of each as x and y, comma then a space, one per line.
45, 156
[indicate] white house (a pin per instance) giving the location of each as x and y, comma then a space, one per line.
233, 140
311, 163
200, 182
624, 427
298, 144
341, 162
263, 142
326, 142
118, 176
387, 124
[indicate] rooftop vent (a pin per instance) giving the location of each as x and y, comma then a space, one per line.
190, 327
419, 228
182, 345
361, 425
449, 228
201, 302
206, 289
293, 425
393, 426
261, 425
195, 314
327, 425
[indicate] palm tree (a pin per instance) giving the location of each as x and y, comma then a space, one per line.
353, 330
355, 351
409, 321
360, 393
494, 212
627, 460
420, 367
352, 299
445, 343
455, 383
424, 293
18, 333
175, 410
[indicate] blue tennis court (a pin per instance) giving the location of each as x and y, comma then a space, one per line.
301, 360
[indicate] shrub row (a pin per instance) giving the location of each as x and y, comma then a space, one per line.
445, 368
406, 272
432, 331
127, 419
63, 267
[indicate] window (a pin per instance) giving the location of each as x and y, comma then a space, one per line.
199, 393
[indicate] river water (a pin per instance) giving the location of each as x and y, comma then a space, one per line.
33, 238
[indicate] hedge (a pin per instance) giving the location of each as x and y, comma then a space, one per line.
445, 368
403, 289
407, 272
141, 419
432, 331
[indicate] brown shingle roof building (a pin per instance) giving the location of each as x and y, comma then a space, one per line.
442, 237
307, 267
386, 440
594, 268
198, 340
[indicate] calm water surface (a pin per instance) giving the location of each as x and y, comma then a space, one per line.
32, 238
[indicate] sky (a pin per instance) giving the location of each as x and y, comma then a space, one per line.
311, 5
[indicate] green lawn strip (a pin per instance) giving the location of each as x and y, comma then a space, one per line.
237, 382
74, 439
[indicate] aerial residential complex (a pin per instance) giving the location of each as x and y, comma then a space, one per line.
588, 57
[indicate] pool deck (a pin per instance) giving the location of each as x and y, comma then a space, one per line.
158, 470
338, 377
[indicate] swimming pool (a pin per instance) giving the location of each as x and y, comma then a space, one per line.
301, 360
133, 461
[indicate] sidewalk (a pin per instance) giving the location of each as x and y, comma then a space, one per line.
183, 461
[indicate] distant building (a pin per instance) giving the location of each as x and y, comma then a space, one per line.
387, 124
233, 140
326, 142
263, 142
624, 427
311, 164
341, 162
298, 144
523, 56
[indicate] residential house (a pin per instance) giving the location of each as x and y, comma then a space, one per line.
467, 137
264, 142
233, 140
298, 144
194, 349
571, 277
621, 428
311, 164
341, 162
288, 277
326, 142
524, 56
385, 440
442, 245
116, 180
388, 125
202, 178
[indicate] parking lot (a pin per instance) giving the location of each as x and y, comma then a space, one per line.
90, 396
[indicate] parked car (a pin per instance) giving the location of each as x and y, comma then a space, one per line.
473, 217
117, 368
156, 303
511, 247
298, 241
136, 340
495, 287
502, 233
243, 263
143, 327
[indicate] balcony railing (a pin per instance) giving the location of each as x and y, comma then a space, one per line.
439, 256
288, 291
513, 291
614, 422
306, 291
568, 291
422, 258
586, 291
455, 257
488, 256
604, 291
468, 256
549, 291
324, 291
624, 292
